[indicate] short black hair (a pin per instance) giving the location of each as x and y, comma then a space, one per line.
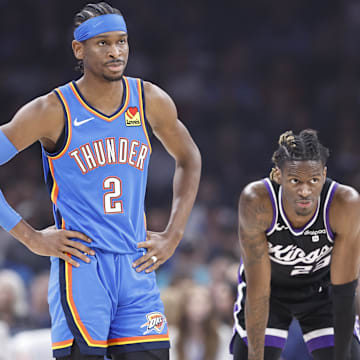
302, 147
90, 11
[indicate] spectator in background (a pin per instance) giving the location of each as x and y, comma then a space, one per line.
39, 317
31, 345
199, 335
13, 301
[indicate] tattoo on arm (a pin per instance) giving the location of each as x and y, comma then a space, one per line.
253, 221
256, 319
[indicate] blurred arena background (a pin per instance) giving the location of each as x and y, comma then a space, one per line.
240, 73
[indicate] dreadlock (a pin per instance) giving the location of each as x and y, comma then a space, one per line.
302, 147
90, 11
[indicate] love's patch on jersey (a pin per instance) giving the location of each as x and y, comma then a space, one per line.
132, 117
155, 321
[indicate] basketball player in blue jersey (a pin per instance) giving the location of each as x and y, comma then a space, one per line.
96, 151
300, 244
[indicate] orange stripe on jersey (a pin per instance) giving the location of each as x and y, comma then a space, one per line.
145, 222
70, 300
138, 339
97, 113
62, 344
142, 112
68, 119
55, 188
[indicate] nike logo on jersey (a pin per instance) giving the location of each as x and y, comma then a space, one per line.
78, 123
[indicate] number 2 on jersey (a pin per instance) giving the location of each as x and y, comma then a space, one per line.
112, 204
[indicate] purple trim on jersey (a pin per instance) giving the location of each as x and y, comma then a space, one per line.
297, 231
273, 205
271, 340
320, 342
240, 280
331, 234
357, 329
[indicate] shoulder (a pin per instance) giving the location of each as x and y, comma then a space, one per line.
38, 119
160, 108
254, 192
48, 104
47, 111
154, 92
345, 206
255, 205
345, 196
45, 104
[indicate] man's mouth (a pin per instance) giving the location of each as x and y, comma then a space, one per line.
304, 203
115, 65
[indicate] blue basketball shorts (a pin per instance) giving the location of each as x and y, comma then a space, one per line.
105, 306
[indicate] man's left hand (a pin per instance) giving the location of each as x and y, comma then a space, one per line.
160, 247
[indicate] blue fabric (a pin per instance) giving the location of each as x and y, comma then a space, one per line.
124, 306
98, 25
8, 216
7, 149
98, 181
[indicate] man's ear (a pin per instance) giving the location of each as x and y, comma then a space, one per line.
325, 173
276, 174
78, 49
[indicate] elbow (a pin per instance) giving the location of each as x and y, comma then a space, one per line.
191, 161
197, 158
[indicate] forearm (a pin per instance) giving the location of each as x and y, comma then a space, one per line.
12, 222
185, 187
24, 233
344, 318
256, 318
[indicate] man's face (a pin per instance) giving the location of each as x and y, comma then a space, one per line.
302, 182
104, 55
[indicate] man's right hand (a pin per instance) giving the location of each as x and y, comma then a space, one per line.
54, 242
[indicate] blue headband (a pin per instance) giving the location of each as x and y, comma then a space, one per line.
98, 25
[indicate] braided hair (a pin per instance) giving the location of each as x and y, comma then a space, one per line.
302, 147
90, 11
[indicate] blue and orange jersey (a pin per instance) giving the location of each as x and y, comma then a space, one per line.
97, 180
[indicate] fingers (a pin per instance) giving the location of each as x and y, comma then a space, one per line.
79, 254
143, 244
77, 235
79, 246
68, 259
147, 262
153, 268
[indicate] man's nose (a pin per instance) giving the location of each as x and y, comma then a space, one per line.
114, 51
304, 190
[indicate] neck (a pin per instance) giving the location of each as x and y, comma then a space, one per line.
297, 221
104, 95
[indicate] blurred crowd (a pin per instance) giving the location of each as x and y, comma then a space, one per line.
240, 73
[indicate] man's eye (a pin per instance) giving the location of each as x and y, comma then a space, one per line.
294, 181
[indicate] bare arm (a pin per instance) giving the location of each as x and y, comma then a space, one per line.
255, 215
43, 119
162, 116
345, 264
344, 220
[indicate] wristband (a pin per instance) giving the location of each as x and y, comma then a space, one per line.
7, 149
344, 318
8, 216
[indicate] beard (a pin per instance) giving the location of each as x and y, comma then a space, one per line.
112, 79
